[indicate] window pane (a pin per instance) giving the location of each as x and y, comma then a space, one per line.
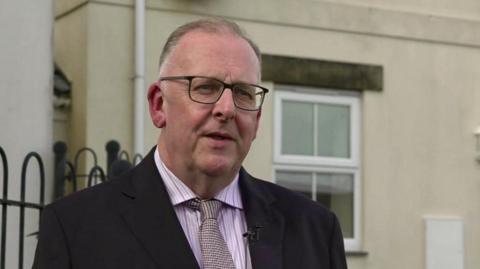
336, 192
297, 128
333, 125
297, 181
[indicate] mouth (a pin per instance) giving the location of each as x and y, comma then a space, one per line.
220, 136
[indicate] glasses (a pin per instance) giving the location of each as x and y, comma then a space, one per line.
207, 90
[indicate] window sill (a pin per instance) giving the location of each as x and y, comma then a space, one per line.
356, 253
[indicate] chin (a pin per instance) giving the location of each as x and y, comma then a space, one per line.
218, 167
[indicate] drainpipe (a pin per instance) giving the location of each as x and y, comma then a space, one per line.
139, 95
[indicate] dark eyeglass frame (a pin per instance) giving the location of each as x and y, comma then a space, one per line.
232, 87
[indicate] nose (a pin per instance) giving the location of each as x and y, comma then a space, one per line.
224, 108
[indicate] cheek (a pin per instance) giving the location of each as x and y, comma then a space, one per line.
187, 122
248, 128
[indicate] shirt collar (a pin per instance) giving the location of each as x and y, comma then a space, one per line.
180, 193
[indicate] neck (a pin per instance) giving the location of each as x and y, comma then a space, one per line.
204, 185
206, 188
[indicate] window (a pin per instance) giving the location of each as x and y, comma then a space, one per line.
316, 152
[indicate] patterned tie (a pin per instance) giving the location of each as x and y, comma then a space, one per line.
214, 249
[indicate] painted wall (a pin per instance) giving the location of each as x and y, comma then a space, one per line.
26, 69
466, 9
418, 146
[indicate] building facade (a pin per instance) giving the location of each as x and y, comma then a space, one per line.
372, 111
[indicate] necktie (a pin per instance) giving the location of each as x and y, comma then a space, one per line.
214, 249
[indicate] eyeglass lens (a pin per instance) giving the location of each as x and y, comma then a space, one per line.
207, 90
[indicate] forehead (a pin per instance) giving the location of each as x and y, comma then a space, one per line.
222, 55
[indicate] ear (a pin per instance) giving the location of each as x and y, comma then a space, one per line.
259, 115
156, 105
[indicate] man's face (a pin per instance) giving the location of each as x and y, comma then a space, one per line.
209, 138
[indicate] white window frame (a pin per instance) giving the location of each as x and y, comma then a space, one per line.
315, 164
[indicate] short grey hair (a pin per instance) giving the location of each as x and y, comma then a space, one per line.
210, 25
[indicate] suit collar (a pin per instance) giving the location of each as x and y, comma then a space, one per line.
264, 220
150, 216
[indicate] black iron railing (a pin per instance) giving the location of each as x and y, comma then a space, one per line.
22, 203
65, 171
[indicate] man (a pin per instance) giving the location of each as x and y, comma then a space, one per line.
189, 203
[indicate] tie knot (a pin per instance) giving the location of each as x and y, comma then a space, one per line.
209, 209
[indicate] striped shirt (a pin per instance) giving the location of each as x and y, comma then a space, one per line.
231, 219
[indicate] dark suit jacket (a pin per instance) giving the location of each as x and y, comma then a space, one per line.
130, 223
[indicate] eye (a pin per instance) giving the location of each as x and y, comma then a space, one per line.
245, 92
205, 86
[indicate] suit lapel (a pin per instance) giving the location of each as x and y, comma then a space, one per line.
152, 219
266, 252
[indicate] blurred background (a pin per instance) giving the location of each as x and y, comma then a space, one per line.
374, 112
